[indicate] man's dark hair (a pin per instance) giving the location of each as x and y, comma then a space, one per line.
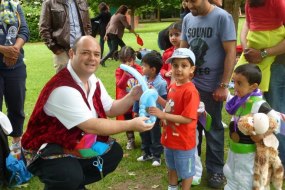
251, 72
153, 59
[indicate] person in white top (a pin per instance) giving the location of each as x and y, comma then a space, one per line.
67, 111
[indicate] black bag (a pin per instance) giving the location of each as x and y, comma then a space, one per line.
4, 152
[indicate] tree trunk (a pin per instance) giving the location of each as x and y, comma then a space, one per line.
158, 14
233, 7
132, 13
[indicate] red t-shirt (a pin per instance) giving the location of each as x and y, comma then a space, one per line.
268, 17
166, 66
182, 100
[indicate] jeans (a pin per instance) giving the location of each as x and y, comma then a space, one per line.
13, 89
214, 137
276, 96
151, 140
115, 43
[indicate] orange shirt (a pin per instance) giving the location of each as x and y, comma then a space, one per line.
182, 100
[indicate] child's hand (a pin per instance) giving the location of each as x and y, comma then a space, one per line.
168, 74
156, 112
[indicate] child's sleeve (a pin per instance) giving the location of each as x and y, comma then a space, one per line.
191, 101
122, 79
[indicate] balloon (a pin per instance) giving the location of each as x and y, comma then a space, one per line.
149, 96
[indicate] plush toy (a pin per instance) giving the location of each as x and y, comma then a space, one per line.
267, 165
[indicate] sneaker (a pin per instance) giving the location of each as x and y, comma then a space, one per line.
196, 181
156, 162
130, 144
216, 180
144, 157
15, 147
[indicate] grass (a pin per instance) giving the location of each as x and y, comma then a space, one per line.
130, 174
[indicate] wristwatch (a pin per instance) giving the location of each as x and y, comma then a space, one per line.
224, 85
263, 53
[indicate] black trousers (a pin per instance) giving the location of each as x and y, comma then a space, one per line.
72, 173
13, 89
151, 144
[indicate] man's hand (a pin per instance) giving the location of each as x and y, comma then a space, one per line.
220, 94
252, 55
140, 125
136, 92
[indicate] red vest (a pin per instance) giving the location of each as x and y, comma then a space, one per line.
46, 129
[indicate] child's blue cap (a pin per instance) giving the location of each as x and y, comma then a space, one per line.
182, 53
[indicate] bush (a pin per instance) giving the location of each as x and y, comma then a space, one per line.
32, 13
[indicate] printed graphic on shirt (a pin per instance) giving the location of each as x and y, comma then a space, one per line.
131, 83
200, 47
169, 108
12, 31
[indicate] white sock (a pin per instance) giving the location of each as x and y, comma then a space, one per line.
172, 187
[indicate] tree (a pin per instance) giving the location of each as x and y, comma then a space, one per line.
233, 7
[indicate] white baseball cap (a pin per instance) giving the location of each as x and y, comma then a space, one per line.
182, 53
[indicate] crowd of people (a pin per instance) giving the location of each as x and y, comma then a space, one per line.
66, 137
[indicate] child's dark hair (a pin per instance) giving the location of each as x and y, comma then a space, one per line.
176, 25
153, 59
126, 54
251, 72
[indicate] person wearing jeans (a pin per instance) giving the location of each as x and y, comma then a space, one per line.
276, 96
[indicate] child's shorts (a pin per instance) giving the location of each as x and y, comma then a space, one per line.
183, 162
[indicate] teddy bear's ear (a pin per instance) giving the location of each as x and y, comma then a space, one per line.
260, 123
271, 141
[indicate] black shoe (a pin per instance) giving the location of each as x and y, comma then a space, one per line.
216, 180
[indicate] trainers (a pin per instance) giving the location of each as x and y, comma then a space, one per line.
216, 180
196, 181
156, 162
16, 146
144, 157
130, 144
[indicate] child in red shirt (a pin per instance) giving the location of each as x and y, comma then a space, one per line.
180, 119
174, 38
124, 83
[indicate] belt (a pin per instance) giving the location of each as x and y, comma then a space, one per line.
242, 148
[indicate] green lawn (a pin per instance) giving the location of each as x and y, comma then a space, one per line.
130, 174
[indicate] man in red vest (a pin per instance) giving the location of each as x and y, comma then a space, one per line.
66, 143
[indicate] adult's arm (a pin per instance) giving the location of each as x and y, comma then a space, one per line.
220, 94
45, 28
122, 105
11, 53
102, 126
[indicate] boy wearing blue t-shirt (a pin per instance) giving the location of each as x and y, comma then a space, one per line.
151, 145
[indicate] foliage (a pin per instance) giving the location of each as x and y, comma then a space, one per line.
32, 10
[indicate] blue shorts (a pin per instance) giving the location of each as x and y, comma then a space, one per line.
183, 162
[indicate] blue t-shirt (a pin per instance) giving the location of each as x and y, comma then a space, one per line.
161, 87
205, 36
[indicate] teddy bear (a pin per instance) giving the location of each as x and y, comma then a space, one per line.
267, 164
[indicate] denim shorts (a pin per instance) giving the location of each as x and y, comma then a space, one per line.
183, 162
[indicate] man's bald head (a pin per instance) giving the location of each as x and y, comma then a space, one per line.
82, 40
